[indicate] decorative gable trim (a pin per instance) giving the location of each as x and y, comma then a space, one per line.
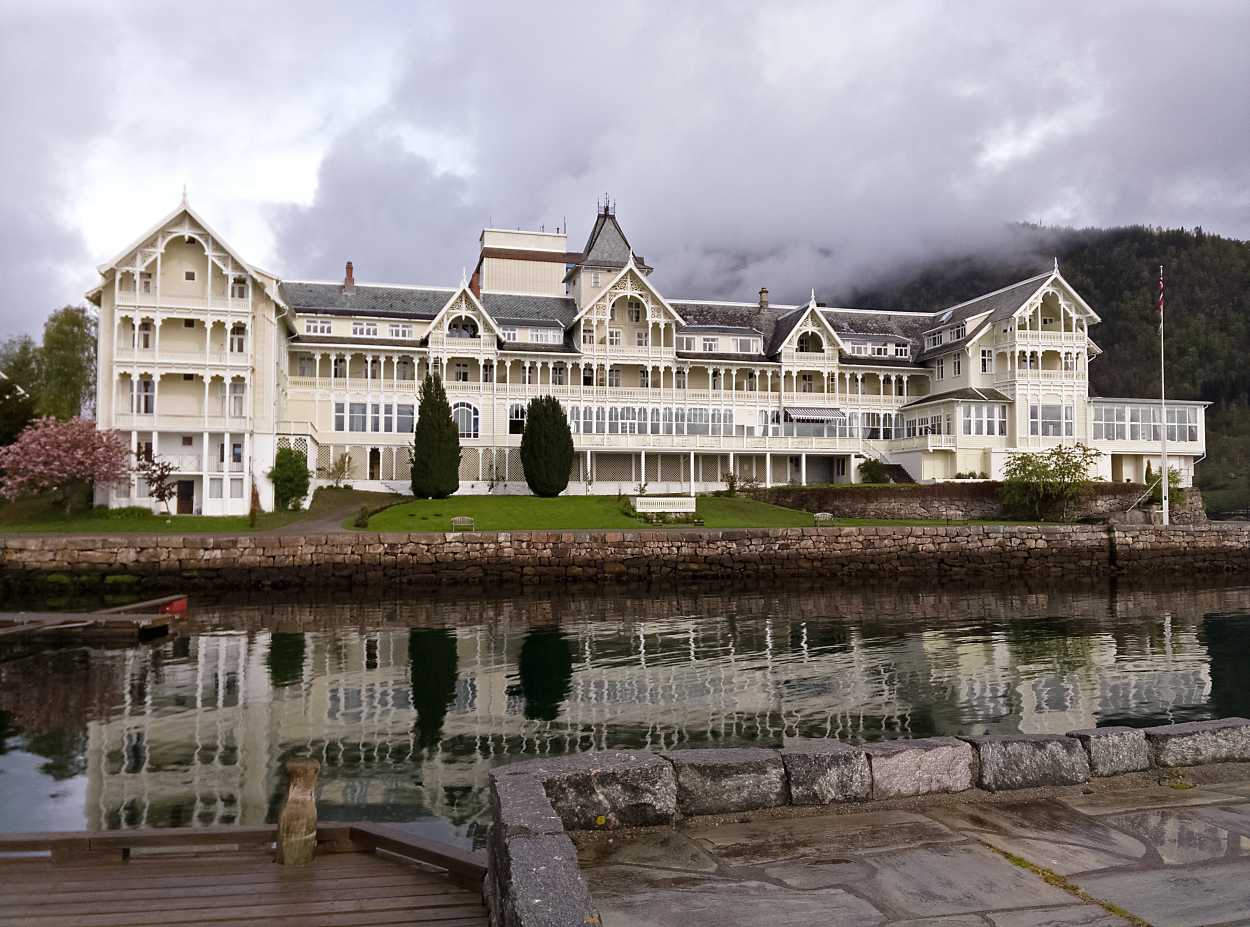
628, 281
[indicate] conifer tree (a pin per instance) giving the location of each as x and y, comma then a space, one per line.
546, 447
435, 444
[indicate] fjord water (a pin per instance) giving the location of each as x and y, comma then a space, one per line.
409, 702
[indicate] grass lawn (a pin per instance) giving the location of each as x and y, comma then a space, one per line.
45, 515
529, 513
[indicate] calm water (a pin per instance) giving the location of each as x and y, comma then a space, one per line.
409, 704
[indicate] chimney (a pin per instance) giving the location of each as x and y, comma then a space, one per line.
349, 280
763, 297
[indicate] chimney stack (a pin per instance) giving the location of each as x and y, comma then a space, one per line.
763, 297
349, 280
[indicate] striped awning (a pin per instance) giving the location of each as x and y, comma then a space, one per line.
813, 415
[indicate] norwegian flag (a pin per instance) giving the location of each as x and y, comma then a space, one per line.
1160, 299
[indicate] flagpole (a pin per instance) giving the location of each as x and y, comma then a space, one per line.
1163, 402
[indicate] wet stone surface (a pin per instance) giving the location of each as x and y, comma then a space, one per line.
1168, 855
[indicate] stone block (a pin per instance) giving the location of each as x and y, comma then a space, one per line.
535, 882
610, 789
822, 772
1197, 742
721, 781
521, 806
900, 768
1027, 761
1114, 750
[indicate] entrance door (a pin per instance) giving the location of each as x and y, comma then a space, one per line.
186, 497
375, 464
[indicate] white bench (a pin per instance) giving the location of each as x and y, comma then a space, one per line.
462, 523
663, 503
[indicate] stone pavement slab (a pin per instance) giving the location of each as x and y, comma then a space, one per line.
1179, 835
1193, 896
1161, 796
1080, 915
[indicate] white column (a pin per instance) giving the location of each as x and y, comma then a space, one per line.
768, 470
691, 472
802, 469
247, 469
643, 457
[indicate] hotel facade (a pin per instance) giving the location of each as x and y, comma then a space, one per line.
215, 364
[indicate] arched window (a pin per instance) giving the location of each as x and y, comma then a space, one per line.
516, 418
466, 419
810, 343
462, 327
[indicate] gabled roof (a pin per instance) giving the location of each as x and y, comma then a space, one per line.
365, 299
968, 393
994, 307
183, 207
617, 277
607, 245
521, 308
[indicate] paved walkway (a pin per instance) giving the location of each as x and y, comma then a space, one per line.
1162, 855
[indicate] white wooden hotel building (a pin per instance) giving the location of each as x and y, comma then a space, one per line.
214, 363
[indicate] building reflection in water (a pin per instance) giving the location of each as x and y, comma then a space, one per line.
409, 705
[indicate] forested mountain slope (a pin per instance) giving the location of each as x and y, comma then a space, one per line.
1117, 271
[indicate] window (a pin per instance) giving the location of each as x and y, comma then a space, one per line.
488, 372
1052, 421
987, 360
237, 391
933, 341
900, 350
145, 283
984, 420
594, 279
236, 453
644, 377
375, 417
710, 345
236, 488
356, 416
145, 335
510, 334
466, 418
956, 364
516, 418
340, 366
614, 376
388, 418
634, 311
861, 349
1183, 424
807, 383
405, 419
338, 416
588, 335
745, 346
188, 441
941, 368
614, 337
881, 350
238, 288
188, 276
316, 326
958, 332
238, 339
143, 396
462, 327
188, 323
214, 487
558, 375
1069, 362
405, 369
187, 377
544, 336
679, 378
588, 375
460, 372
365, 329
685, 342
811, 343
401, 331
640, 339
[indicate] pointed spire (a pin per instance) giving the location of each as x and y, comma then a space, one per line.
464, 277
812, 302
1056, 265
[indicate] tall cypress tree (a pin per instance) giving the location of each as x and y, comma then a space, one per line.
435, 444
546, 447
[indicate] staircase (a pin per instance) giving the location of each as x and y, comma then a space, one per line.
898, 473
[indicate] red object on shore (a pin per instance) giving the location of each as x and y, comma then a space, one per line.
177, 606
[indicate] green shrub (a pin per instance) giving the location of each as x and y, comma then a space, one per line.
289, 476
873, 471
1049, 484
546, 447
1175, 493
435, 444
362, 517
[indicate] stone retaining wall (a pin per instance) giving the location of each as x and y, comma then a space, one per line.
960, 500
354, 559
533, 879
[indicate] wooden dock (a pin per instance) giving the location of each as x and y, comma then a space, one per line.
226, 877
137, 622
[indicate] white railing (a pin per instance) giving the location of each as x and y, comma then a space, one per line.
921, 442
186, 463
663, 503
180, 422
194, 358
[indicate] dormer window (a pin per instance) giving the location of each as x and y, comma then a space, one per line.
880, 350
902, 350
710, 345
933, 341
958, 331
510, 334
365, 329
188, 276
685, 342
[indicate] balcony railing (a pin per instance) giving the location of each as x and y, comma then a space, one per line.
183, 358
187, 422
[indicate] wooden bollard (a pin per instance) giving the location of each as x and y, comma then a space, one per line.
297, 822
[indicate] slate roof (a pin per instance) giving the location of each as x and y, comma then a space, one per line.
539, 310
746, 358
860, 360
975, 394
392, 302
313, 340
1001, 304
525, 347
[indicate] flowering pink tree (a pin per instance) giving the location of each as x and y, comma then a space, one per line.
53, 455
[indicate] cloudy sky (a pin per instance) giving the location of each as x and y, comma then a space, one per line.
789, 145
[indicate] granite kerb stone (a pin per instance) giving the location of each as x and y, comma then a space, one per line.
725, 780
1114, 750
926, 766
1026, 761
1198, 742
823, 772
